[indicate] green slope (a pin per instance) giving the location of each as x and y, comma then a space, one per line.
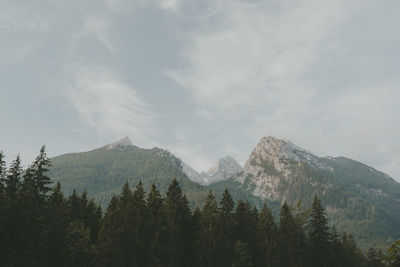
103, 171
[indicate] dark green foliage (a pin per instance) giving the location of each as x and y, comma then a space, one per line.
226, 231
291, 239
242, 256
139, 229
180, 243
318, 235
267, 238
208, 233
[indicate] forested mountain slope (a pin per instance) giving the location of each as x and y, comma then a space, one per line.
358, 198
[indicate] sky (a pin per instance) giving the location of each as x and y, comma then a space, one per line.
203, 79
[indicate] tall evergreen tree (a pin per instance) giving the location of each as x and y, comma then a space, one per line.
318, 235
39, 169
352, 256
180, 240
245, 226
3, 172
56, 228
267, 238
242, 256
139, 226
336, 250
291, 242
157, 228
226, 232
13, 179
207, 240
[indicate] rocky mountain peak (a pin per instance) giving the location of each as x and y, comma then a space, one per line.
278, 152
126, 141
226, 164
223, 169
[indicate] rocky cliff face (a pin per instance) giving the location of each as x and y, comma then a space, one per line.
273, 163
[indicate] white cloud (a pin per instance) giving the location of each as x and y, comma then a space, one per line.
111, 105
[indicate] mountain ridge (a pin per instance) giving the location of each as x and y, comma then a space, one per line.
358, 198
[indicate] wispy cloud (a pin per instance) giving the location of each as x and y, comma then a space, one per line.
99, 27
111, 105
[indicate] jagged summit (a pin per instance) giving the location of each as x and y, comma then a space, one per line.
279, 152
223, 169
126, 141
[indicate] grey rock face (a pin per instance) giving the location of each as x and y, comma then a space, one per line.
223, 169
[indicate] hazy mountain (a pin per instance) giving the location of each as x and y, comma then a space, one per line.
103, 171
358, 198
221, 170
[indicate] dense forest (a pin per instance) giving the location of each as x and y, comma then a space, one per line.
39, 226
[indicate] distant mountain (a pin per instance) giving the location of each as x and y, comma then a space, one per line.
103, 171
358, 198
223, 169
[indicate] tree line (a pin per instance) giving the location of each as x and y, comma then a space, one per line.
39, 226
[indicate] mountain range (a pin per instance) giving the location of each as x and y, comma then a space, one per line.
358, 199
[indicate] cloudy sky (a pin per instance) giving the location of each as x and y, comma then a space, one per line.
203, 79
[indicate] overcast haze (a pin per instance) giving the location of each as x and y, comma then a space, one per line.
203, 79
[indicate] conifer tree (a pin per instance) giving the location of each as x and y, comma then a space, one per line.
352, 256
81, 252
242, 255
267, 237
3, 172
318, 235
226, 232
157, 227
56, 228
207, 240
245, 225
111, 236
291, 241
39, 169
336, 250
13, 179
138, 220
180, 239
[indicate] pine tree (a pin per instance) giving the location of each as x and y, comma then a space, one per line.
207, 240
139, 226
111, 236
226, 232
81, 252
291, 242
267, 238
336, 250
180, 240
13, 179
39, 169
57, 223
245, 226
318, 235
352, 256
157, 228
3, 173
242, 255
